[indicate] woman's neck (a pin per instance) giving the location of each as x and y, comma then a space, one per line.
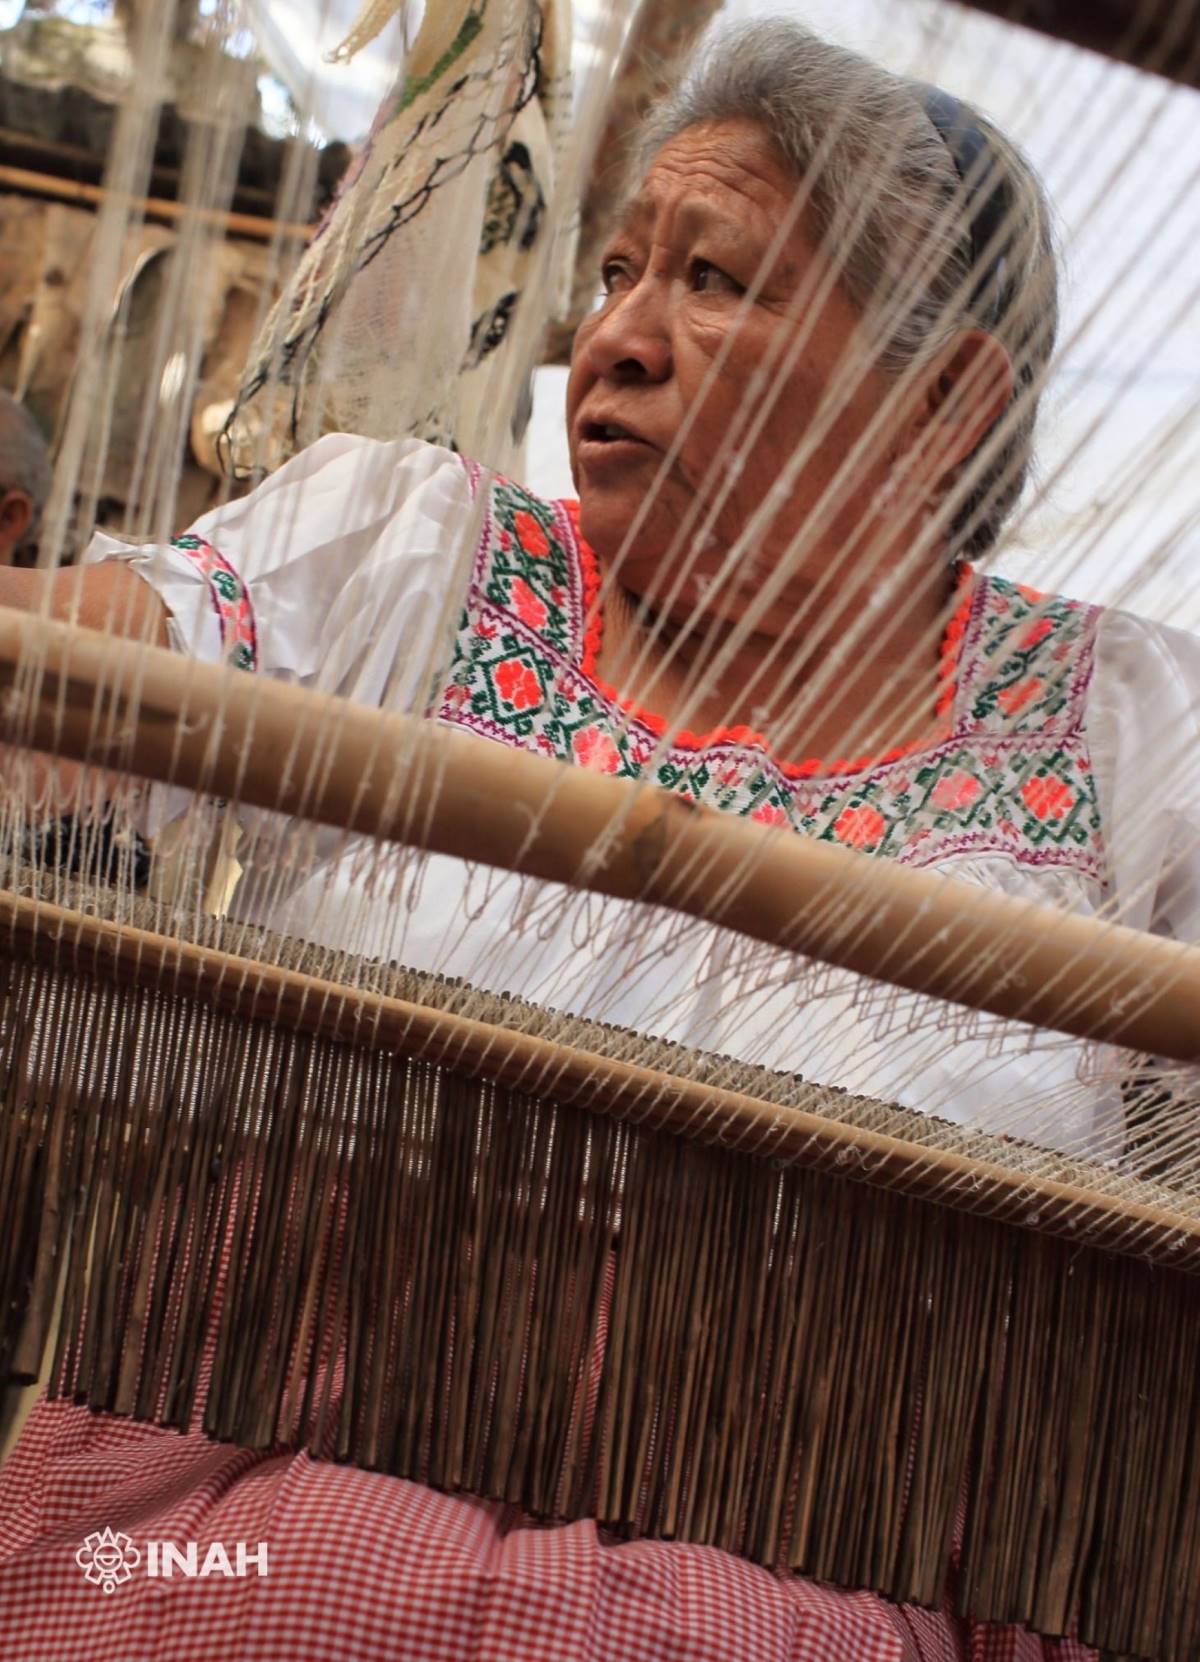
848, 684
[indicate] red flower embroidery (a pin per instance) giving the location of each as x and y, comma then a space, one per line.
860, 827
457, 696
1034, 596
768, 814
505, 541
1037, 632
530, 535
1048, 798
956, 790
485, 630
526, 604
518, 685
1017, 696
594, 749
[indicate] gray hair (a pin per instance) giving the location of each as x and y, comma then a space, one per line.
24, 457
886, 192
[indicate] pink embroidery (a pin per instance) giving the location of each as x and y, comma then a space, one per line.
860, 827
594, 749
956, 790
1012, 699
230, 598
527, 605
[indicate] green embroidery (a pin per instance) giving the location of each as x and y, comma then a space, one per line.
226, 585
468, 31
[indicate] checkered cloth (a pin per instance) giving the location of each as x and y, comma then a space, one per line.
366, 1567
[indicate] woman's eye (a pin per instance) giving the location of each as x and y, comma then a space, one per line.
613, 273
708, 278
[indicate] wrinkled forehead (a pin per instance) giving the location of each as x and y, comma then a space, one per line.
729, 171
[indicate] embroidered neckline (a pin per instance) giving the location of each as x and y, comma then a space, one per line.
949, 656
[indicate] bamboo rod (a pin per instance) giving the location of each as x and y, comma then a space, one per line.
153, 207
56, 936
141, 710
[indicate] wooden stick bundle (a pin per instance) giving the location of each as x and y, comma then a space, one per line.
478, 1288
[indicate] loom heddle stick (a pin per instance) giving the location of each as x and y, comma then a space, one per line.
56, 936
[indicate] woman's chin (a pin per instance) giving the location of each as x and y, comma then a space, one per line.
606, 515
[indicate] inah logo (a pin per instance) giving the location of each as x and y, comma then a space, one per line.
108, 1558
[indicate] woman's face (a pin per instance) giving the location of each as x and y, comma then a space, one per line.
675, 271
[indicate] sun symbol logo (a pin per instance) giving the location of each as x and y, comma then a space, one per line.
108, 1558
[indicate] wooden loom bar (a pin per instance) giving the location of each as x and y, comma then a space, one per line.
1159, 38
142, 710
153, 207
72, 941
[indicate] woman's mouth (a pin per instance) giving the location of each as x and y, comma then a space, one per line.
610, 443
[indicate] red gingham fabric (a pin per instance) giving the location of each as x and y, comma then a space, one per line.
379, 1570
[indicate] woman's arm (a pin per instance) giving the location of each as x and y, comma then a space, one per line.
111, 597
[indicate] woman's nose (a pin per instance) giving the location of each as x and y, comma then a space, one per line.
631, 341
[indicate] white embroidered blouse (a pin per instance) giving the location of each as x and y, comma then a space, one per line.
1064, 768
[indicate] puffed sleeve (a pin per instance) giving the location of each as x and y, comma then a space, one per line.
344, 571
338, 571
1144, 736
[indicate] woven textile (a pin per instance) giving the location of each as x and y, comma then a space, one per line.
372, 1568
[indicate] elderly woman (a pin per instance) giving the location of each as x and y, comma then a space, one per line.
786, 627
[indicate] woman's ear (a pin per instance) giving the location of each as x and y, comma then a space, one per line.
16, 517
967, 388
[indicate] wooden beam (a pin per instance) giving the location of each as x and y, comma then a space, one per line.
74, 161
217, 731
24, 182
1162, 36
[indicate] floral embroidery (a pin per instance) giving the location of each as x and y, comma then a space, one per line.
1005, 768
230, 598
860, 826
1047, 798
530, 535
594, 749
955, 790
526, 604
529, 559
1014, 698
517, 684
